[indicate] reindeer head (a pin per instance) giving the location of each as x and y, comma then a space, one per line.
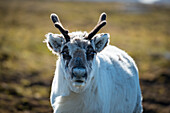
77, 52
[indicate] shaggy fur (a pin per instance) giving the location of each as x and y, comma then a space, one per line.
113, 87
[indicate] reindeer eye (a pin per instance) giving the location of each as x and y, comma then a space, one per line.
90, 53
65, 53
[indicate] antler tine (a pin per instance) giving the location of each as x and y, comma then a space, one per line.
102, 17
54, 18
101, 23
58, 25
96, 29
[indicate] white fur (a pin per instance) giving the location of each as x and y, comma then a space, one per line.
114, 89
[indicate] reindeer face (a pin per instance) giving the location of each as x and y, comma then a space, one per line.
77, 52
77, 58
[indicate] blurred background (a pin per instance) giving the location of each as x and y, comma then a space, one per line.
140, 27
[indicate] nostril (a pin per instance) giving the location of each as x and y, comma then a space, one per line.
79, 72
85, 76
73, 75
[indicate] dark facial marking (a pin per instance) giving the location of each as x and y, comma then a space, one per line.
90, 53
65, 53
79, 58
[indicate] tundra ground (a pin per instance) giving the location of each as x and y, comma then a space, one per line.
27, 67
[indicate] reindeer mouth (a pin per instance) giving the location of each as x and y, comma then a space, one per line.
79, 76
79, 82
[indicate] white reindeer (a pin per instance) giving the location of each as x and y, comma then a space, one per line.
92, 76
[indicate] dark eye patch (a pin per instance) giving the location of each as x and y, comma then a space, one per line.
65, 53
90, 53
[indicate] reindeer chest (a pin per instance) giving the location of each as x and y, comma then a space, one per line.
79, 103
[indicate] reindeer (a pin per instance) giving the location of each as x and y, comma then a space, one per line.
92, 76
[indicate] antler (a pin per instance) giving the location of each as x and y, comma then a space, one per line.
58, 25
101, 23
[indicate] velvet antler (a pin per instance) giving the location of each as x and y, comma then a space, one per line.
101, 23
58, 25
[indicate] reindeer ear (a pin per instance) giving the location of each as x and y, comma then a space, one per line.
100, 41
54, 42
